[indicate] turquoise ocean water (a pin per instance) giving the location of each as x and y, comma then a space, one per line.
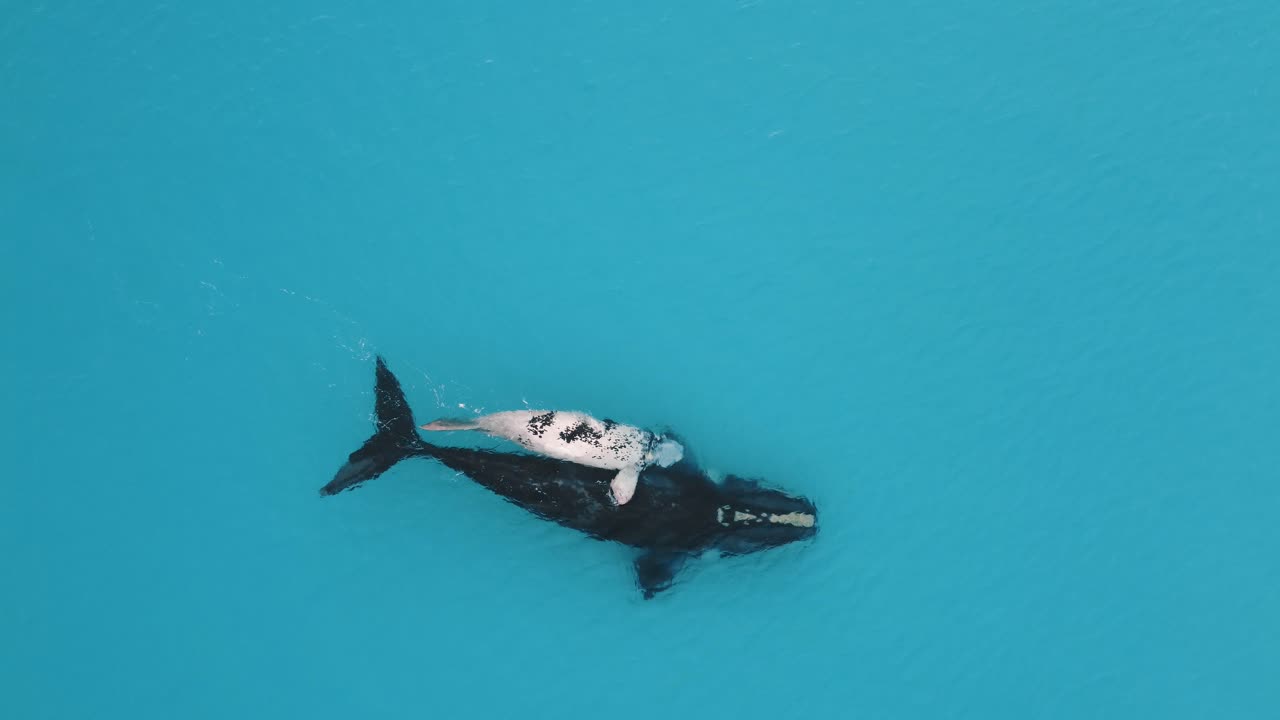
994, 283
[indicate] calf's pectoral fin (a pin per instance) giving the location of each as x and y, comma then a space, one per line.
624, 484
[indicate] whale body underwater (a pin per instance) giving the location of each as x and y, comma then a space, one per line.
677, 512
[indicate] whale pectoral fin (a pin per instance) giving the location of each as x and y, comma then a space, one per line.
656, 570
624, 484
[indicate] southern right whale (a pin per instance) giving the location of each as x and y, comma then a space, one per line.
578, 437
677, 512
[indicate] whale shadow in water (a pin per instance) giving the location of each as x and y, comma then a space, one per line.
676, 513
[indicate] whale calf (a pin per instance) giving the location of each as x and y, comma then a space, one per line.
580, 438
677, 512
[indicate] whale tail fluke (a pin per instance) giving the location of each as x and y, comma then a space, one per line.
396, 437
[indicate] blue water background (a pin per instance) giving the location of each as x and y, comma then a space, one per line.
995, 283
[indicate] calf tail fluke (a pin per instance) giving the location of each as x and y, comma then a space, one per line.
450, 424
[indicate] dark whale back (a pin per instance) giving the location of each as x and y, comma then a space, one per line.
673, 507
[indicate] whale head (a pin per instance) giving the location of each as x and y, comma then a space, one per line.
752, 517
666, 452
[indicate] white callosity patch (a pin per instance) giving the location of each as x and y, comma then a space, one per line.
797, 519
